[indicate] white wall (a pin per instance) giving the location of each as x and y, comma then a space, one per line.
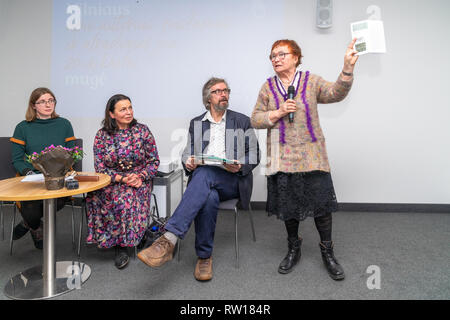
25, 46
387, 142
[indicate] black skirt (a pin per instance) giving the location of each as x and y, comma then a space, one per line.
300, 195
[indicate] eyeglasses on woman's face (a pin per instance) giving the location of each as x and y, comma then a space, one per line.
280, 55
45, 102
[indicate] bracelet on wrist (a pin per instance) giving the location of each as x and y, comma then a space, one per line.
347, 74
120, 179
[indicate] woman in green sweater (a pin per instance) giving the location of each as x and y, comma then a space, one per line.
41, 128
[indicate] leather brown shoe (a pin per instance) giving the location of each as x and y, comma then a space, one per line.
203, 269
158, 253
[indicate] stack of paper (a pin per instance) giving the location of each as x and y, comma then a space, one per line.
38, 178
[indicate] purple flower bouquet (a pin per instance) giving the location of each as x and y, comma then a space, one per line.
54, 163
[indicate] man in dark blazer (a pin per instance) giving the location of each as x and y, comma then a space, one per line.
221, 152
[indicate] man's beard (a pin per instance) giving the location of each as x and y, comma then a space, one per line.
219, 108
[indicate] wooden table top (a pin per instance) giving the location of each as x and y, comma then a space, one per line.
14, 190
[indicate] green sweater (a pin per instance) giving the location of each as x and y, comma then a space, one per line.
35, 136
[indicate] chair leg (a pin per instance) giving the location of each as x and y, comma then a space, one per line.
73, 224
156, 205
2, 222
12, 231
83, 211
236, 236
251, 222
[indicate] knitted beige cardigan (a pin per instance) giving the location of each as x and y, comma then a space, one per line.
304, 148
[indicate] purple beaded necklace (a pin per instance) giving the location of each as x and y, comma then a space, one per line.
282, 125
305, 103
308, 115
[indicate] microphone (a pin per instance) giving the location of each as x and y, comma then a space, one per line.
291, 94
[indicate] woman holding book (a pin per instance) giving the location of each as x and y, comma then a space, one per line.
299, 183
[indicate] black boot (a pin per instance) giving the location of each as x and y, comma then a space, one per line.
292, 257
122, 258
334, 269
20, 230
38, 237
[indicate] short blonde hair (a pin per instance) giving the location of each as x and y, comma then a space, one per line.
30, 115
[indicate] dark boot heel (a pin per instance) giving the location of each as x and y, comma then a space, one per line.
122, 257
38, 236
292, 257
20, 230
333, 267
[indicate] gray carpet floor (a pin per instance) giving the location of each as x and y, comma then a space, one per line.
410, 249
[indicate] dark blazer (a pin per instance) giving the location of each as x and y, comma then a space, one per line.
240, 144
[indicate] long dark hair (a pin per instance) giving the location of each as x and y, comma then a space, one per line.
109, 124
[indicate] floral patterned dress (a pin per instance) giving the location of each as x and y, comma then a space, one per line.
118, 214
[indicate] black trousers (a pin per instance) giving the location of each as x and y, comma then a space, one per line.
32, 211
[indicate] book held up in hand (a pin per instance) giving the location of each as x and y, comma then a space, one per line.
369, 36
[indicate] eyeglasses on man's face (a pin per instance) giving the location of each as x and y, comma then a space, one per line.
221, 91
45, 102
280, 55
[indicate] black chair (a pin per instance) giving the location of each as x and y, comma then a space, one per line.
6, 171
154, 213
78, 167
232, 205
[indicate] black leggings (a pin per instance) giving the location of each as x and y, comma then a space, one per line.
323, 225
32, 211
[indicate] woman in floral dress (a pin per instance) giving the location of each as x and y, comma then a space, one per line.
124, 149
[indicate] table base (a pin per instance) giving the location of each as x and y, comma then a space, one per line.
30, 285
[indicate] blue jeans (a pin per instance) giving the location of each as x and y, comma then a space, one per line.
200, 203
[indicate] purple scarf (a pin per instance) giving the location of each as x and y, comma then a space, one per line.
305, 102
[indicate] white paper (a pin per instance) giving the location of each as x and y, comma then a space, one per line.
369, 36
33, 178
37, 178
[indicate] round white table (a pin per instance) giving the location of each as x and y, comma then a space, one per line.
52, 278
